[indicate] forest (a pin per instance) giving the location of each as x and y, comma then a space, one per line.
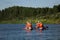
20, 14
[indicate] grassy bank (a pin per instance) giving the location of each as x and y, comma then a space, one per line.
45, 21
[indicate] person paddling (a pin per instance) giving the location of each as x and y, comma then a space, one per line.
39, 25
28, 25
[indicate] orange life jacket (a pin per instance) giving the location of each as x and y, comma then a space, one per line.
40, 25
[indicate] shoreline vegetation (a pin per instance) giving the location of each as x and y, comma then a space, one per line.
44, 21
19, 15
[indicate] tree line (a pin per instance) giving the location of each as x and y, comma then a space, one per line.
17, 12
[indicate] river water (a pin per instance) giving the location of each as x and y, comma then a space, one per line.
17, 32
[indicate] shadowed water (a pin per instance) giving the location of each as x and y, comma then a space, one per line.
17, 32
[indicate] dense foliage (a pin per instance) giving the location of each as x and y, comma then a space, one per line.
21, 13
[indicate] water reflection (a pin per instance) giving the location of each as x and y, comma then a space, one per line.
28, 30
33, 35
39, 31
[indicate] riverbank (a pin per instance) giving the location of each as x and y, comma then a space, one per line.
33, 21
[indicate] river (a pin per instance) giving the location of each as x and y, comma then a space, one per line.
17, 32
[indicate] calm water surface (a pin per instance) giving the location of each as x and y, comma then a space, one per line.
17, 32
